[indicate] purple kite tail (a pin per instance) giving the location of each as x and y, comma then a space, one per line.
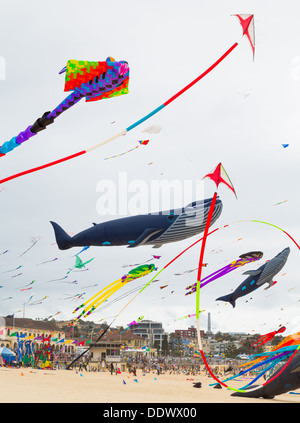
221, 272
68, 102
92, 89
24, 136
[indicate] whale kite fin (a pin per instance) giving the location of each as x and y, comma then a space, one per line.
63, 240
270, 283
144, 237
252, 272
228, 299
254, 391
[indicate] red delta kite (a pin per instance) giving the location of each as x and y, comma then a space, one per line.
247, 22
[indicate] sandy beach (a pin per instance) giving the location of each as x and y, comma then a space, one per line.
26, 385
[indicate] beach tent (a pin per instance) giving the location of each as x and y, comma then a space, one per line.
7, 354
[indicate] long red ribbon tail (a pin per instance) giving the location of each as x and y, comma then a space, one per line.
25, 172
209, 217
209, 370
202, 75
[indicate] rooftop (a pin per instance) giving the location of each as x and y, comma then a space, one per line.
30, 324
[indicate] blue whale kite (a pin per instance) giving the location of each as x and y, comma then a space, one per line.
146, 229
264, 274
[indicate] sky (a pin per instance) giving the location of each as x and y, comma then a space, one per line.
240, 114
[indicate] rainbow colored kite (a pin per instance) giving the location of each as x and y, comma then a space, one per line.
145, 142
90, 80
114, 78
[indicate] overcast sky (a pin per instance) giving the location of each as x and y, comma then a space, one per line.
240, 115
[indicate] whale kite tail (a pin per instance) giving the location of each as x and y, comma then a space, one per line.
63, 240
228, 298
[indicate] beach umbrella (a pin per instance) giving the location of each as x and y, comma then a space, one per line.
7, 354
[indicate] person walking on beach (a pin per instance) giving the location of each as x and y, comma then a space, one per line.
111, 368
158, 368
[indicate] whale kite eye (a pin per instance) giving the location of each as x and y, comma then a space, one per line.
171, 217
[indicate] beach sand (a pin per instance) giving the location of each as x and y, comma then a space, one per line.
26, 385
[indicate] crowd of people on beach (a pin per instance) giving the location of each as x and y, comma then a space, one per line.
158, 366
155, 365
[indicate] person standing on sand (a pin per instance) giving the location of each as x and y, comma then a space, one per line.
111, 368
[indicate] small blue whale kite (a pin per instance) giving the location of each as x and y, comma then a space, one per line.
264, 274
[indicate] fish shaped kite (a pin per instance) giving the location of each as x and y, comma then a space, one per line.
103, 80
101, 296
144, 229
264, 274
244, 259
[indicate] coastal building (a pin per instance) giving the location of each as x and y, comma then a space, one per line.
28, 329
127, 339
189, 346
115, 347
190, 333
152, 332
